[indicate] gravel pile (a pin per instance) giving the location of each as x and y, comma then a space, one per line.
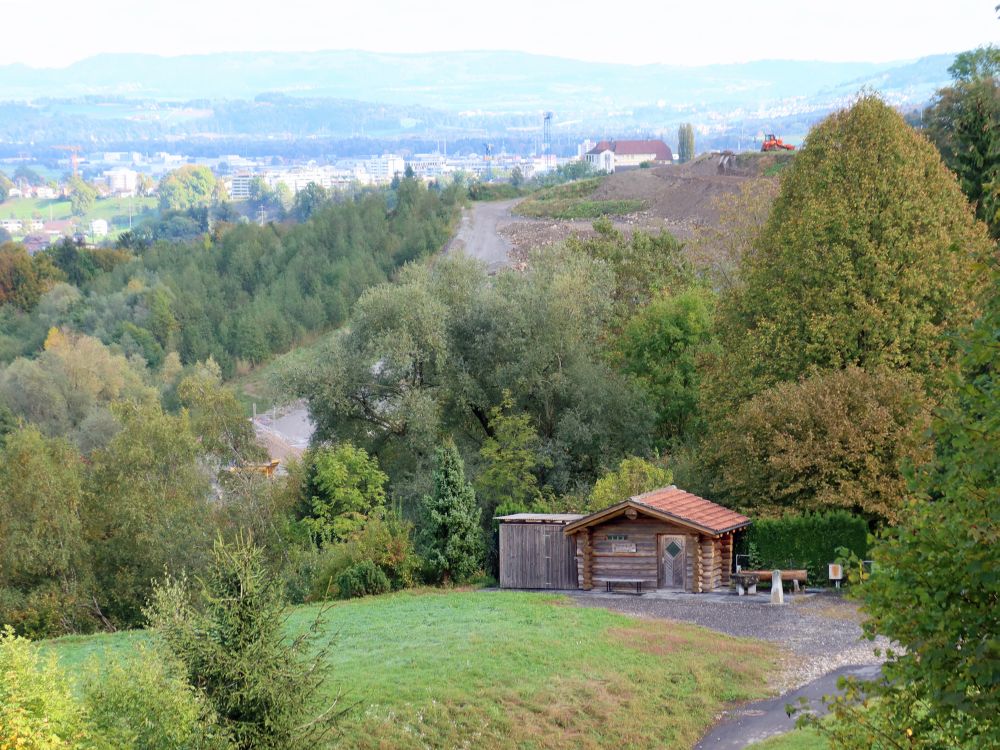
818, 632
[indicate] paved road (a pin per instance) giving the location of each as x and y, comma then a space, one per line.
477, 235
756, 722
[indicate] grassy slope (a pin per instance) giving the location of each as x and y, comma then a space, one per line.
503, 669
111, 209
570, 201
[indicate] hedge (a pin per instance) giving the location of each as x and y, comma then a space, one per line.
806, 541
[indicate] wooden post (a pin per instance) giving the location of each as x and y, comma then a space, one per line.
588, 560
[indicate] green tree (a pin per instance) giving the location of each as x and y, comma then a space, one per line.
82, 196
44, 578
644, 265
511, 461
837, 439
451, 539
308, 201
864, 261
188, 187
935, 586
633, 476
218, 419
659, 346
228, 633
344, 486
685, 142
964, 123
145, 508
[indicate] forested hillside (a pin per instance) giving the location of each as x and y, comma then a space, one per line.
239, 295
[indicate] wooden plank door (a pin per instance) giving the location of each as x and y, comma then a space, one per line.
672, 561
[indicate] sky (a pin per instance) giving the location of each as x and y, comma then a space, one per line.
638, 32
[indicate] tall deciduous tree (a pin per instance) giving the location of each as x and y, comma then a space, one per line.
145, 508
189, 187
935, 589
868, 259
43, 562
838, 439
451, 537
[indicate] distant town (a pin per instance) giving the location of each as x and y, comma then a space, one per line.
38, 206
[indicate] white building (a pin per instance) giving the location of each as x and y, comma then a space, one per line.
99, 228
11, 225
122, 181
384, 168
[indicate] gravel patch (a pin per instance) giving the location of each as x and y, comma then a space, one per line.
818, 632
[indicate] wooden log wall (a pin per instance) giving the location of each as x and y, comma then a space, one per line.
727, 558
711, 563
642, 564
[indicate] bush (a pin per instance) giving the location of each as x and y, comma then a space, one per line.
384, 541
807, 541
146, 703
362, 579
37, 707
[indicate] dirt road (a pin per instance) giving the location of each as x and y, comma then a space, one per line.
478, 237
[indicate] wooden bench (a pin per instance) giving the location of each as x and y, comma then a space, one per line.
637, 582
795, 576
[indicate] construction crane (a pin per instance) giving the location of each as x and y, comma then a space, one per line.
74, 157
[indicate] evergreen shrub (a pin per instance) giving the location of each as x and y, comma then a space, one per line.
362, 579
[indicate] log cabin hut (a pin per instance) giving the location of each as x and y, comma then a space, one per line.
667, 537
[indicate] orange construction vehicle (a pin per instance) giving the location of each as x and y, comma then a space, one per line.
774, 143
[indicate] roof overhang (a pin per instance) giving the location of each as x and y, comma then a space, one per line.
616, 510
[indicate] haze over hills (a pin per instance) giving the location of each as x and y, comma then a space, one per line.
494, 81
133, 100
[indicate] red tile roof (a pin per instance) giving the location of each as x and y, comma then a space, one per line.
697, 510
678, 505
659, 149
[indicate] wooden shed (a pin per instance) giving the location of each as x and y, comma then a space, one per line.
535, 553
667, 538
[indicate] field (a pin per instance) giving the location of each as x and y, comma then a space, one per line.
114, 210
573, 201
501, 669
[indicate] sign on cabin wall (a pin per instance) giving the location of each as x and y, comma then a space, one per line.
623, 546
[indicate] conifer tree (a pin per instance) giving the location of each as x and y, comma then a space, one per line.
452, 538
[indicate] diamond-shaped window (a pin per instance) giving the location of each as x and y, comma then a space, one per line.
673, 549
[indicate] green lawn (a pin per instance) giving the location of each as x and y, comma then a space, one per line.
113, 210
518, 670
571, 201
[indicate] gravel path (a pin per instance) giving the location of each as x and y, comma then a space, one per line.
819, 632
478, 237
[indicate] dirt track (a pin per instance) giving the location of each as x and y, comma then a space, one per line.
478, 236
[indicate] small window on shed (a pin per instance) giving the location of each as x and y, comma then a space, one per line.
617, 537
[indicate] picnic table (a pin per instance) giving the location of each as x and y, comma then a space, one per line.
637, 582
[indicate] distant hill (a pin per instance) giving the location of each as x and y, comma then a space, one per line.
498, 82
